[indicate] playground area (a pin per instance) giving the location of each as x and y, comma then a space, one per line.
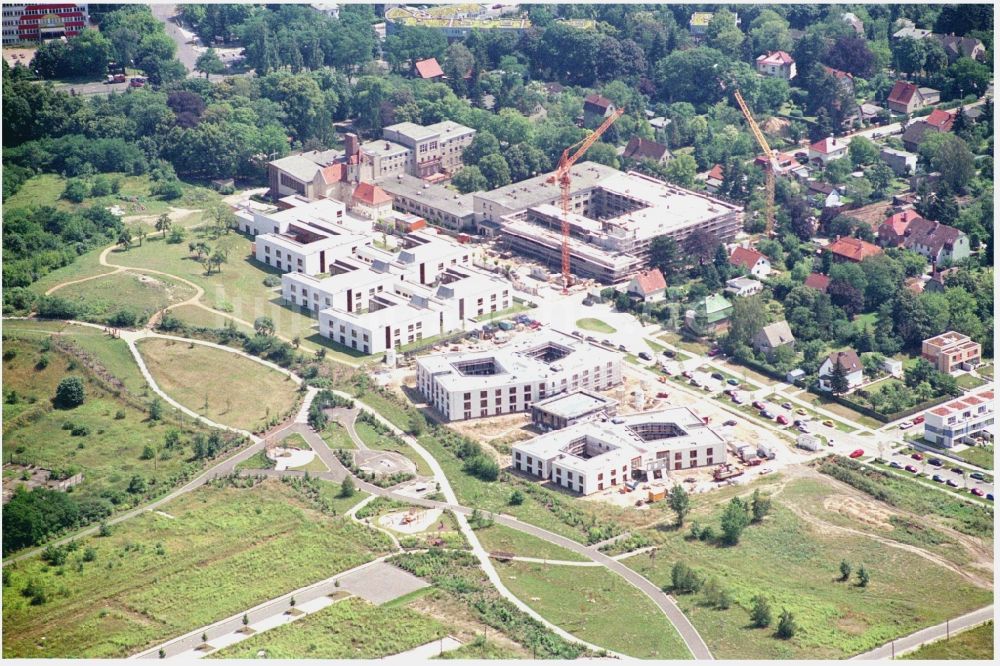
411, 521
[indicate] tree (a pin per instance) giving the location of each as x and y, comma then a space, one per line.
684, 579
908, 54
845, 570
163, 223
723, 34
734, 521
665, 254
495, 170
951, 156
76, 191
679, 502
760, 506
786, 625
209, 63
862, 151
838, 380
470, 179
715, 595
155, 410
852, 54
136, 485
863, 576
749, 316
347, 486
217, 258
263, 326
69, 393
682, 170
760, 612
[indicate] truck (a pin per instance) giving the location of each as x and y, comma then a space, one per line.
725, 471
746, 452
765, 451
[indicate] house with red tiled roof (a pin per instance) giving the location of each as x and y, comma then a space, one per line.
752, 261
817, 281
907, 98
848, 248
596, 108
848, 361
844, 79
826, 150
714, 178
777, 64
960, 420
893, 230
940, 120
428, 69
643, 149
370, 201
650, 286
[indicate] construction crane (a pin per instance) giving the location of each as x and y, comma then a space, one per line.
562, 177
770, 167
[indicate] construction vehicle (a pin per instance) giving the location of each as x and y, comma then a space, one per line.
725, 471
562, 176
771, 165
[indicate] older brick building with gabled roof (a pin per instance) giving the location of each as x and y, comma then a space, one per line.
644, 149
428, 69
848, 248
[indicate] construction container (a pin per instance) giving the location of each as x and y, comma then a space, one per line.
657, 495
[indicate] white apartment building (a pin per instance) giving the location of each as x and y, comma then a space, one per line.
591, 456
349, 286
465, 385
390, 321
954, 422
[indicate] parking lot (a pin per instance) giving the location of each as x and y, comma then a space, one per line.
949, 472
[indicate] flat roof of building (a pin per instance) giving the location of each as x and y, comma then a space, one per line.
575, 405
412, 131
538, 190
438, 197
382, 148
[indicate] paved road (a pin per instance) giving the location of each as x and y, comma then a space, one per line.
929, 635
185, 51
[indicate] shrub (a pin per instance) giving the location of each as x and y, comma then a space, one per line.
516, 498
272, 281
70, 393
684, 579
760, 613
482, 467
786, 625
80, 431
123, 319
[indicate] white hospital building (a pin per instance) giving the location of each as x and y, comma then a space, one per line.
591, 456
465, 385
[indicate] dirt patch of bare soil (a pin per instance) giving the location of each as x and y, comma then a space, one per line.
857, 509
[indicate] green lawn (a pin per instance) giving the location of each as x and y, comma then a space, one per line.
295, 441
517, 308
349, 629
314, 465
379, 442
596, 325
795, 566
969, 381
675, 339
330, 492
217, 552
112, 353
225, 387
140, 294
258, 460
980, 456
976, 643
112, 451
597, 606
506, 540
985, 370
844, 411
86, 265
336, 437
192, 315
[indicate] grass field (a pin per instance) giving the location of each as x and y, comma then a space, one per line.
113, 450
976, 643
349, 629
215, 553
795, 565
583, 600
696, 348
237, 391
86, 265
46, 190
981, 456
842, 410
379, 442
596, 325
192, 315
336, 437
330, 491
141, 294
969, 381
506, 540
112, 353
257, 461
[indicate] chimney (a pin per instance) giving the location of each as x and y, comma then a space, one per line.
351, 144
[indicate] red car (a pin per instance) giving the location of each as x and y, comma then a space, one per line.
911, 469
917, 456
857, 453
758, 404
978, 492
917, 420
782, 419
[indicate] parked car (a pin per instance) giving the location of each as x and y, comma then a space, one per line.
935, 461
857, 453
782, 419
766, 414
591, 338
978, 476
918, 420
801, 411
828, 423
645, 356
905, 425
916, 456
957, 470
714, 351
662, 394
895, 465
669, 353
607, 342
687, 374
937, 478
578, 334
733, 382
737, 399
730, 392
786, 405
953, 483
978, 492
803, 427
758, 404
622, 348
989, 496
730, 422
911, 468
718, 375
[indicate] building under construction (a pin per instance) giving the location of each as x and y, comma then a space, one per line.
614, 216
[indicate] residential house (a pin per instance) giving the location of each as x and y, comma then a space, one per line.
893, 366
643, 149
823, 194
817, 281
960, 47
936, 282
778, 64
649, 286
914, 284
698, 24
870, 113
960, 420
851, 365
901, 162
951, 351
850, 19
914, 134
908, 30
892, 232
940, 120
596, 108
710, 315
429, 69
827, 150
907, 98
742, 286
370, 202
713, 179
931, 96
752, 261
773, 336
847, 248
844, 79
938, 242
